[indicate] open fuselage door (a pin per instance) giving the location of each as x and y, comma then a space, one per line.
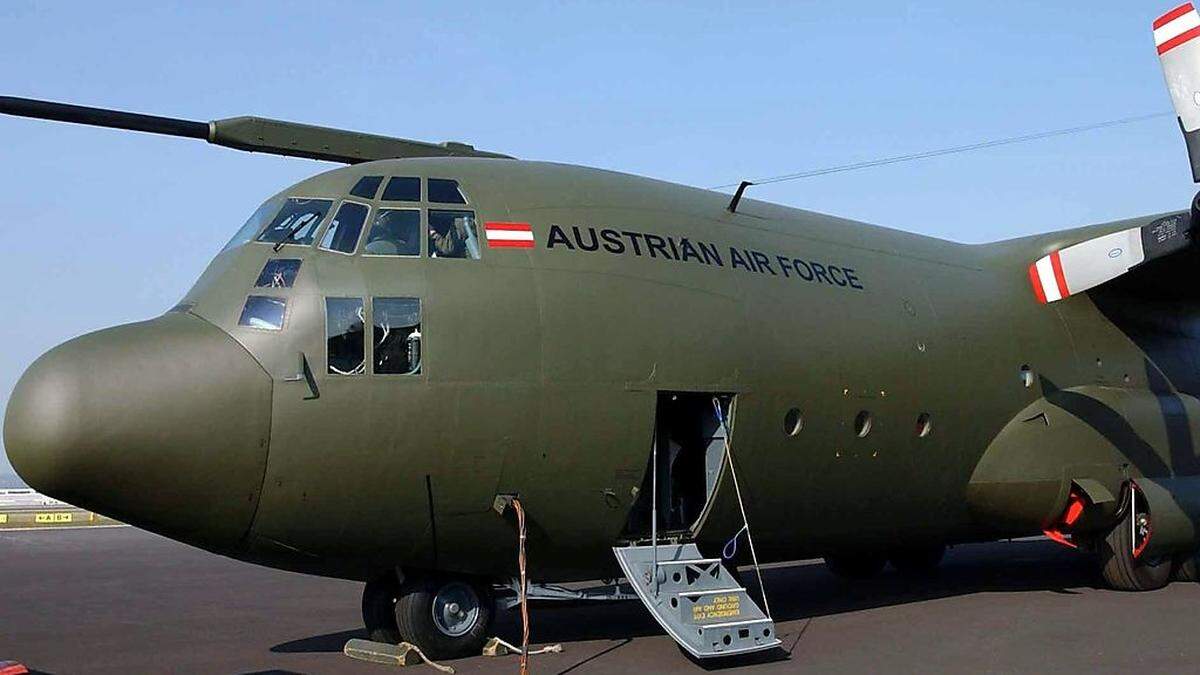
697, 600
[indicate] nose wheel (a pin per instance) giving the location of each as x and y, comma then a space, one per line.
379, 608
446, 616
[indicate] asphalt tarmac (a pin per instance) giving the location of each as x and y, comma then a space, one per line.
124, 601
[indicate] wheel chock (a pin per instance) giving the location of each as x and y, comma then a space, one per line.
402, 654
496, 647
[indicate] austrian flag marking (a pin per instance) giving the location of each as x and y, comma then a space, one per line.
509, 235
1176, 27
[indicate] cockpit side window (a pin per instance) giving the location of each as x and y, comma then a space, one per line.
396, 335
367, 187
402, 189
345, 228
445, 191
344, 338
452, 234
395, 232
297, 221
254, 224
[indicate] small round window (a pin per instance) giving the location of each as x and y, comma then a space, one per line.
793, 422
862, 423
924, 425
1026, 376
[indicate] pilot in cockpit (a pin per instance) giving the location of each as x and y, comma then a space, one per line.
395, 232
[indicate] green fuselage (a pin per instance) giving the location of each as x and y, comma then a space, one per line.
540, 369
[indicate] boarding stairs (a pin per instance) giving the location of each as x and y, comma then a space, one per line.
697, 600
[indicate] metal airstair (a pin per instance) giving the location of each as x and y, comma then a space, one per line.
697, 600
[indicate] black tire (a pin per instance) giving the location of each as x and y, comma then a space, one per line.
415, 616
1123, 572
379, 608
919, 560
860, 566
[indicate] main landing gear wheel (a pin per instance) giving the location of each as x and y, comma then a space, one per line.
917, 561
860, 566
379, 608
446, 616
1121, 563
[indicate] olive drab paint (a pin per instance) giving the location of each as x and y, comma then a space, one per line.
883, 388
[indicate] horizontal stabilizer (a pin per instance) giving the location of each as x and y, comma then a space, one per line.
252, 134
1089, 263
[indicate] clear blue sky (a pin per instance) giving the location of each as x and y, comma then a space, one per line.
102, 227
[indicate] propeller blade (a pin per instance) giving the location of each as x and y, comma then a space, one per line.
1089, 263
1175, 36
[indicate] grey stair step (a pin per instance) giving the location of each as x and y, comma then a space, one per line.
731, 589
705, 611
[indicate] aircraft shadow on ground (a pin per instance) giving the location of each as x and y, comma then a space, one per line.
801, 592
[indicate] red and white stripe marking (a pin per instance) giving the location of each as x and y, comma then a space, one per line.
1049, 282
1176, 27
1085, 265
509, 235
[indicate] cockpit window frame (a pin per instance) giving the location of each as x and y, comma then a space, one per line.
428, 180
362, 233
320, 227
422, 225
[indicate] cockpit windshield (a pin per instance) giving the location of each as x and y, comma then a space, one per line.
296, 222
254, 224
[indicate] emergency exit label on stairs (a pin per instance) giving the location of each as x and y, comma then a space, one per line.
712, 608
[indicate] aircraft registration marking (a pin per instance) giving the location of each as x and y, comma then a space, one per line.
52, 518
719, 607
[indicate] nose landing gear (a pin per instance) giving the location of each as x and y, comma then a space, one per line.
379, 608
446, 616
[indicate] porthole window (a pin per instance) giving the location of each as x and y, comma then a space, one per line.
924, 425
862, 423
1026, 376
793, 422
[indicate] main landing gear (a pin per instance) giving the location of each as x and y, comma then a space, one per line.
447, 616
1122, 563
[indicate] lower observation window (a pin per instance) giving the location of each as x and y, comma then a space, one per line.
263, 311
278, 273
344, 336
397, 335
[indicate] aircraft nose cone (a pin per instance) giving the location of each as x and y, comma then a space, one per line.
161, 424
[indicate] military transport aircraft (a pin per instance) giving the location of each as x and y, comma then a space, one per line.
389, 358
